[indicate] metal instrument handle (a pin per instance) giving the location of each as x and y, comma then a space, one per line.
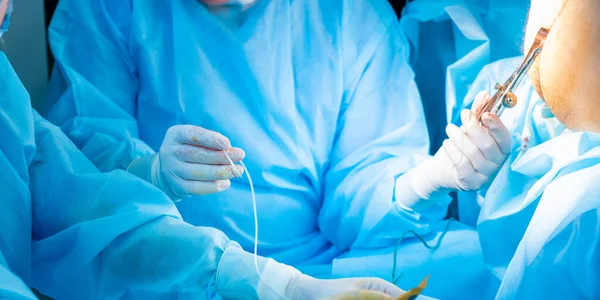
504, 96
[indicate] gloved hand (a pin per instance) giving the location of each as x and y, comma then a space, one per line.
469, 158
190, 162
305, 287
238, 278
373, 295
361, 295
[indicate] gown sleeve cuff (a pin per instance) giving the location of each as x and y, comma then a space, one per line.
238, 278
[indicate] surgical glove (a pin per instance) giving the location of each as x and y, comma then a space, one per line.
191, 161
238, 278
372, 295
469, 158
306, 287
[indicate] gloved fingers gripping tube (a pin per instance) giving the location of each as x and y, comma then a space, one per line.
233, 167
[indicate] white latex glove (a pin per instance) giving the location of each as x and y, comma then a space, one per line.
190, 162
469, 158
305, 287
237, 278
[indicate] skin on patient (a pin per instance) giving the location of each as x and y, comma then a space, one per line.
565, 74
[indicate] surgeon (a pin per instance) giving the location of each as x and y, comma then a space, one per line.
73, 232
317, 96
539, 223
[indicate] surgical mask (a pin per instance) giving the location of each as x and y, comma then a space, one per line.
6, 22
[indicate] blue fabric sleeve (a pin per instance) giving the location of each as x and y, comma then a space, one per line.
381, 135
95, 99
109, 235
73, 232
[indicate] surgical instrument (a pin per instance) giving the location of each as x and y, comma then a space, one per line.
504, 96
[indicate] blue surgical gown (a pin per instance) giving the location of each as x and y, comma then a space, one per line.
539, 223
318, 93
451, 41
75, 233
11, 286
